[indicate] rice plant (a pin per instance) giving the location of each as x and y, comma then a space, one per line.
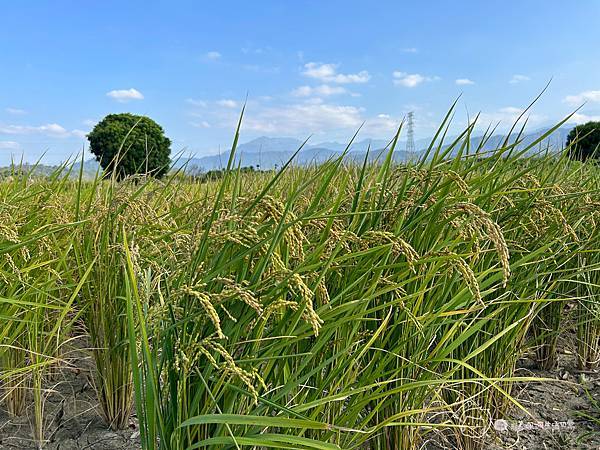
344, 305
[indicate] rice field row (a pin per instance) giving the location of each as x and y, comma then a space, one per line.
337, 306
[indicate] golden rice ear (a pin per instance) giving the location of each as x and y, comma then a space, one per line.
322, 293
399, 245
234, 290
300, 288
469, 276
458, 180
205, 302
488, 228
279, 305
293, 234
229, 366
458, 264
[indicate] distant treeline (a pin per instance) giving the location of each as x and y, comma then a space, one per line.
197, 175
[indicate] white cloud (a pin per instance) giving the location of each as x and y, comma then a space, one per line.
202, 124
383, 125
261, 68
303, 91
411, 80
227, 103
324, 90
9, 145
511, 110
464, 81
90, 122
51, 129
408, 80
518, 79
15, 111
410, 50
194, 102
311, 116
586, 96
213, 55
79, 133
302, 117
583, 118
125, 95
305, 118
328, 73
508, 115
249, 49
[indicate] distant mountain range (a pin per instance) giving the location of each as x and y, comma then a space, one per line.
271, 152
268, 153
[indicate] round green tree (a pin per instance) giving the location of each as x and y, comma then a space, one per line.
127, 144
584, 141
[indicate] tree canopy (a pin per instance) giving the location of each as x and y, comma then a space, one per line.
128, 144
585, 141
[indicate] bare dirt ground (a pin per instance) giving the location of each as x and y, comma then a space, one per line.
558, 410
556, 420
72, 421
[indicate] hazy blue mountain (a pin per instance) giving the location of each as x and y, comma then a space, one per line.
91, 166
375, 144
42, 170
268, 153
267, 144
556, 140
263, 160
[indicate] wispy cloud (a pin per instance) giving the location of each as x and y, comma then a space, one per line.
213, 55
311, 115
15, 111
323, 90
261, 68
195, 102
320, 118
201, 124
328, 73
518, 79
509, 115
9, 145
251, 49
51, 130
306, 117
582, 97
79, 133
410, 50
583, 118
411, 80
464, 82
125, 95
227, 103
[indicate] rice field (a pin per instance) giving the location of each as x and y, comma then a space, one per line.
373, 306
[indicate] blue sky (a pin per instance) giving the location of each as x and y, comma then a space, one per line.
317, 68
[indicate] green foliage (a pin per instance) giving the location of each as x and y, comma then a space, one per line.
217, 174
334, 306
127, 144
584, 141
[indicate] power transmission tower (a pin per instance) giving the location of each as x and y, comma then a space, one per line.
410, 134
